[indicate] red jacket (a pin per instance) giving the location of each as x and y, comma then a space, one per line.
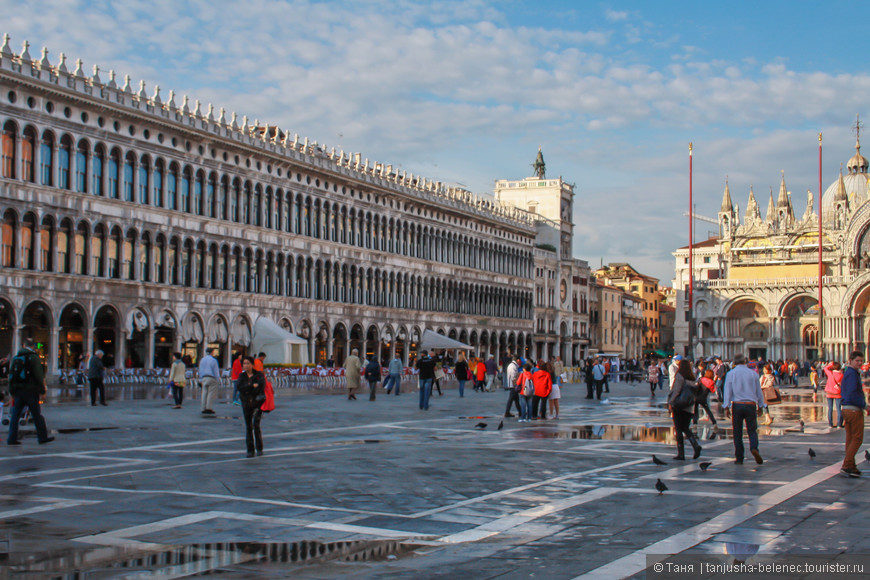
543, 383
237, 369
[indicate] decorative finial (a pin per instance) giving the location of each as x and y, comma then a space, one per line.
142, 93
61, 68
690, 148
184, 105
210, 115
233, 123
171, 104
197, 112
156, 98
223, 118
111, 84
96, 78
127, 88
79, 72
5, 50
25, 54
43, 62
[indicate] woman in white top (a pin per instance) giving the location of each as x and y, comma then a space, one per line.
177, 379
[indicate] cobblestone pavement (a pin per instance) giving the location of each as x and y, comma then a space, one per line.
359, 489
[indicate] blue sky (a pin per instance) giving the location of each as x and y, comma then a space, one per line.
465, 92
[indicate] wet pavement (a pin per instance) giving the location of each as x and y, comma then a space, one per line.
359, 489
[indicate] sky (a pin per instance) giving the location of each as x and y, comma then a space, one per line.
464, 92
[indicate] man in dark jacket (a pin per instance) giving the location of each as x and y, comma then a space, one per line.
854, 406
426, 365
27, 385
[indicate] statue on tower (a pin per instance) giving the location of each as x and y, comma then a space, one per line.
539, 166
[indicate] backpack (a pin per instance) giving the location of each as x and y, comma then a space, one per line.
19, 372
528, 388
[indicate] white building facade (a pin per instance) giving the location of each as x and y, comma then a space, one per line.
141, 227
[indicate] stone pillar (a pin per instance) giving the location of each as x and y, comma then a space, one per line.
53, 354
149, 346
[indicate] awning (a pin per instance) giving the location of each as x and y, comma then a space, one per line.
433, 340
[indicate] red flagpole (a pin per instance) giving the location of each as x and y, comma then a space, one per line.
820, 341
691, 350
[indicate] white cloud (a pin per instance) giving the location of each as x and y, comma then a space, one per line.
616, 15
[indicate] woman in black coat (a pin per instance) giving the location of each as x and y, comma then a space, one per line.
589, 378
252, 394
682, 416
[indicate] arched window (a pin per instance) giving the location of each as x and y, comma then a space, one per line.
28, 228
172, 262
64, 155
210, 193
234, 202
64, 233
157, 181
145, 257
99, 164
129, 162
114, 176
28, 149
82, 166
128, 268
114, 253
99, 246
198, 191
172, 187
7, 239
142, 179
80, 263
258, 205
7, 149
46, 154
246, 205
186, 177
223, 198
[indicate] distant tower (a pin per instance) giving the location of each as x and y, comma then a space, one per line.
539, 166
841, 203
727, 215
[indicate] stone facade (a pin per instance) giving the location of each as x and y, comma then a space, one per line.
757, 285
141, 227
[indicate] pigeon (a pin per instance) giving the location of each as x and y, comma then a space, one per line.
866, 455
661, 487
480, 426
704, 465
811, 453
801, 423
711, 436
658, 461
500, 425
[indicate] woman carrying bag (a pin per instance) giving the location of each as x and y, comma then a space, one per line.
252, 393
682, 402
771, 393
177, 379
834, 374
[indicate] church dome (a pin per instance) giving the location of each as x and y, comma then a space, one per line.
855, 186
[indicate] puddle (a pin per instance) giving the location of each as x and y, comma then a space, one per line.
123, 392
85, 430
648, 434
195, 559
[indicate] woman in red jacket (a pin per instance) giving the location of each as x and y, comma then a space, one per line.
834, 375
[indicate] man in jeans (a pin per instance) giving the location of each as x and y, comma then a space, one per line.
28, 387
394, 376
209, 379
426, 365
491, 373
742, 396
854, 408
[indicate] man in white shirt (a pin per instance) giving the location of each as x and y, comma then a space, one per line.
742, 397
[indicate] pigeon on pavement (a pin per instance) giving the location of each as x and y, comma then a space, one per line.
480, 426
658, 461
705, 465
866, 455
661, 487
811, 453
500, 425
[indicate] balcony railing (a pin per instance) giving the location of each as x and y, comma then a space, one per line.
826, 280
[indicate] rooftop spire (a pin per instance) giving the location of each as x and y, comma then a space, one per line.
858, 163
782, 200
727, 206
841, 187
771, 209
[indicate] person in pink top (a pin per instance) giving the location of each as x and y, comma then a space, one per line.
834, 373
234, 376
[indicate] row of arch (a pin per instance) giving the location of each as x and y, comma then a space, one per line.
108, 251
110, 172
140, 337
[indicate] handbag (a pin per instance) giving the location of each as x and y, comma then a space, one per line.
268, 398
686, 398
772, 396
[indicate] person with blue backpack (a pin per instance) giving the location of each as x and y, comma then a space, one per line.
27, 385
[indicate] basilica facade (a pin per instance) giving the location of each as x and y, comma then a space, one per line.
757, 284
143, 224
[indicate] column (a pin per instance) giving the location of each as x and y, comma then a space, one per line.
149, 347
53, 352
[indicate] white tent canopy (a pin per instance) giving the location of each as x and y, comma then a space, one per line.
280, 346
432, 340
